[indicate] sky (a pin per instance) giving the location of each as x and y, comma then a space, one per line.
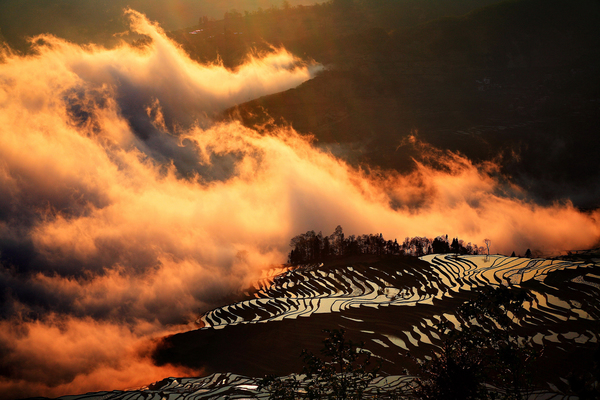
126, 210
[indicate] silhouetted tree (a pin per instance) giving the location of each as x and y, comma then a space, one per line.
419, 246
488, 242
344, 372
483, 350
585, 386
455, 246
326, 250
528, 253
440, 245
337, 240
395, 247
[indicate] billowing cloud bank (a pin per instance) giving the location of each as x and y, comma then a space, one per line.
124, 212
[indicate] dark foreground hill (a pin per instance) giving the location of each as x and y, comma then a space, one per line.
392, 305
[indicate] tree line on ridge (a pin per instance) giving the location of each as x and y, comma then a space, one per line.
314, 247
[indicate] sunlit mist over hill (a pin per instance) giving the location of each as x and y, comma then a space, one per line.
157, 158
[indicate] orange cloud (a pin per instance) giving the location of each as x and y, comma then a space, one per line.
58, 355
124, 211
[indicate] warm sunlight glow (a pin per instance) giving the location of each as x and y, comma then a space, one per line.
127, 211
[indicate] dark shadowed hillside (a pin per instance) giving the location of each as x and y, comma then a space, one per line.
514, 82
392, 305
330, 32
103, 22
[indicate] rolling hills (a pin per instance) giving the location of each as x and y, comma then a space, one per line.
392, 306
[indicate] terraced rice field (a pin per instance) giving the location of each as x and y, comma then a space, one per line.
392, 305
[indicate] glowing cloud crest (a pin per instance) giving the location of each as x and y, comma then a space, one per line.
124, 211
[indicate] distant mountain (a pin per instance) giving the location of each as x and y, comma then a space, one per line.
331, 31
515, 82
95, 21
510, 34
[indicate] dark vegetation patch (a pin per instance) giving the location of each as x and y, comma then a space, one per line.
311, 247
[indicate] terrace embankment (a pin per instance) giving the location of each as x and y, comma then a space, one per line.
392, 304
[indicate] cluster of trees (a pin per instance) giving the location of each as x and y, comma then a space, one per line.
487, 358
314, 247
286, 6
342, 372
471, 358
484, 351
528, 254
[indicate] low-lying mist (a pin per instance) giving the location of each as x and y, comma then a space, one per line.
124, 211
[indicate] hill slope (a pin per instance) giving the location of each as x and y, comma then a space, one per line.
392, 305
514, 82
